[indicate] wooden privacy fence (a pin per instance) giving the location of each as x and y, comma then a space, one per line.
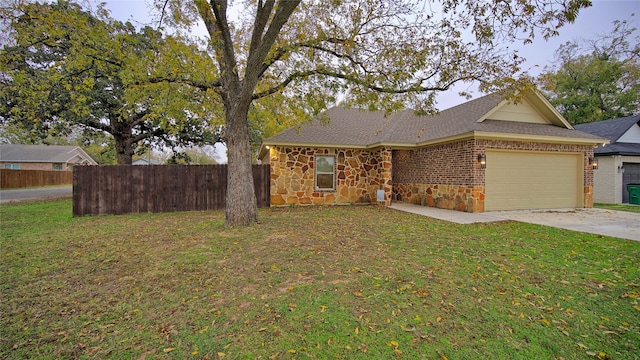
10, 179
126, 189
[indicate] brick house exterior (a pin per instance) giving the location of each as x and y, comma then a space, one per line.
426, 160
424, 176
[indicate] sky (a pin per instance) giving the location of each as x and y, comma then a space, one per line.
590, 24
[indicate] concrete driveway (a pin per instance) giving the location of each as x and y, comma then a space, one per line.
619, 224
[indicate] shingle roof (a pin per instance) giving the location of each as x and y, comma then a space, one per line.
353, 127
38, 153
610, 129
613, 129
347, 126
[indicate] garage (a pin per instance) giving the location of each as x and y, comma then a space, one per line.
631, 175
517, 180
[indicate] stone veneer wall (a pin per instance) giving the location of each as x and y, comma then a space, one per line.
359, 174
448, 176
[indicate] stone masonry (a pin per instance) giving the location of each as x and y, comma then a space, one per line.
359, 174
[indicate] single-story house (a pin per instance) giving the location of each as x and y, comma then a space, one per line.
618, 161
42, 157
145, 161
486, 154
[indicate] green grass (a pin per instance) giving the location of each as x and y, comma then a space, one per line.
355, 282
619, 207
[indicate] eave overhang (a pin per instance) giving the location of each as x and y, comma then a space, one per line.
465, 136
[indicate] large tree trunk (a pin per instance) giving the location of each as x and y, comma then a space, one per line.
124, 150
120, 129
241, 207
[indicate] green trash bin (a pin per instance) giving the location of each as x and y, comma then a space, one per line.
634, 193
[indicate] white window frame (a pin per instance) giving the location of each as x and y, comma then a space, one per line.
332, 173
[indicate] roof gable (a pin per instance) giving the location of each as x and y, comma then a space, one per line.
531, 108
521, 112
632, 135
44, 154
612, 129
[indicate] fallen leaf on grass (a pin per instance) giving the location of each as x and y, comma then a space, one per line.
168, 350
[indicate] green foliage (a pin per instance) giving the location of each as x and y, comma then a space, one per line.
355, 282
67, 69
375, 54
100, 147
596, 79
619, 207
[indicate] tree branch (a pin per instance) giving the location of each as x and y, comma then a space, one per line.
202, 85
259, 51
417, 87
282, 51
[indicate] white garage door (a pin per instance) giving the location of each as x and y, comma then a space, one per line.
532, 180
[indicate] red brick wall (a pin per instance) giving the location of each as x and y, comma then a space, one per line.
449, 176
37, 166
450, 164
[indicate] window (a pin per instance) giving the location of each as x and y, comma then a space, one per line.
325, 174
57, 166
12, 166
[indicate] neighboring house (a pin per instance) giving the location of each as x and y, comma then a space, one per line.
486, 154
143, 161
619, 161
42, 157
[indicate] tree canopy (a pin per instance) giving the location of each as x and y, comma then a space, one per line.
596, 79
66, 69
265, 64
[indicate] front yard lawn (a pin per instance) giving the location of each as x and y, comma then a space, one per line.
356, 282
